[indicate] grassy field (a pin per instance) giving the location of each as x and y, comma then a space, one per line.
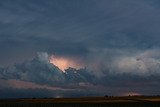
130, 101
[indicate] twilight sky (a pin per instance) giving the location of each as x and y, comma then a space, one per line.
110, 45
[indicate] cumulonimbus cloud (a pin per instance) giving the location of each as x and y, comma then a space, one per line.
125, 72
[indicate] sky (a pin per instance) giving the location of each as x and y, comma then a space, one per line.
74, 48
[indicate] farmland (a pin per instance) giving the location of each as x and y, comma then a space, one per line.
130, 101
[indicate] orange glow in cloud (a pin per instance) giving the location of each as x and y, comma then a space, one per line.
131, 94
64, 63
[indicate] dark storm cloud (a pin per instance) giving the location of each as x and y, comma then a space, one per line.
74, 27
38, 74
117, 40
43, 93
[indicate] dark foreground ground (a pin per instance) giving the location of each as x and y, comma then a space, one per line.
130, 101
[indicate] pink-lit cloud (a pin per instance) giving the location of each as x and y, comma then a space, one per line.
64, 62
18, 84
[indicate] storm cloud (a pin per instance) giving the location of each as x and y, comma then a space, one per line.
74, 27
116, 42
39, 74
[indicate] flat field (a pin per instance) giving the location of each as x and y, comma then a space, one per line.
130, 101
